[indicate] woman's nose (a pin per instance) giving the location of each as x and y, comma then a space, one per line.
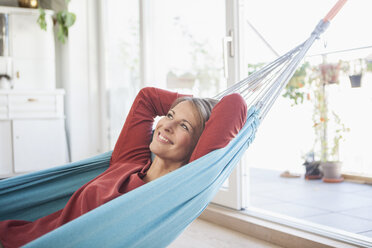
169, 125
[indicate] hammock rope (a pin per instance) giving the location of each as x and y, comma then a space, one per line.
262, 88
154, 214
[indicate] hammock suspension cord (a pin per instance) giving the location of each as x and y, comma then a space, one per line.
262, 88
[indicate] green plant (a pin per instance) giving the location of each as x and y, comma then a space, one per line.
357, 66
327, 140
63, 19
297, 87
369, 66
340, 130
312, 82
254, 67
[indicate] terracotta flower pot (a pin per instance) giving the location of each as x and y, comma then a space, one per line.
332, 172
330, 73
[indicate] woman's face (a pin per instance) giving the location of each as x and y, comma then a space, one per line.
177, 134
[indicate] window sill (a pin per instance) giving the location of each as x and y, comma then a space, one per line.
269, 231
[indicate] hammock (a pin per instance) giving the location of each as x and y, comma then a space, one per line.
154, 214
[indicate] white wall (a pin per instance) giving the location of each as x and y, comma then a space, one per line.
79, 74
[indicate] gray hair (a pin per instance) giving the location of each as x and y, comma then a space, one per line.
204, 107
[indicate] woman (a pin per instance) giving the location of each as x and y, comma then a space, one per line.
188, 130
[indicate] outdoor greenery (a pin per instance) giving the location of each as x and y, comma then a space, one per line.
357, 66
369, 66
295, 89
254, 67
310, 83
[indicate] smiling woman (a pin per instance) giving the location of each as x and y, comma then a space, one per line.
177, 134
179, 138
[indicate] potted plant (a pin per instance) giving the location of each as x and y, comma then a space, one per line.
329, 160
356, 73
313, 82
330, 72
356, 80
63, 20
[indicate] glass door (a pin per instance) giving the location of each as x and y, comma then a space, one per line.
183, 45
190, 47
122, 64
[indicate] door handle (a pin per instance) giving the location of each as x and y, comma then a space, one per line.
228, 51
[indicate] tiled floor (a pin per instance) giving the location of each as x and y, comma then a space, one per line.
346, 205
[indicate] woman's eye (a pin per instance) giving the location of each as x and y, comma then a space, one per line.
170, 116
184, 127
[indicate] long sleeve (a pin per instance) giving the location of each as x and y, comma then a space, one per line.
135, 137
226, 120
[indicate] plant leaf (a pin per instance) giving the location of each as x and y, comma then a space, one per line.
60, 18
41, 20
70, 19
60, 34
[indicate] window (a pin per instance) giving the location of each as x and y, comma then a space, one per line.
287, 134
122, 63
184, 45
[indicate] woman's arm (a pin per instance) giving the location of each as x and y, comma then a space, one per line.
133, 142
226, 120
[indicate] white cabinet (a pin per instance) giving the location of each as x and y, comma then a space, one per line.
38, 144
30, 57
6, 154
32, 131
28, 40
32, 126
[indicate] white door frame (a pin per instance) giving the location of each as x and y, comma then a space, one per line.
232, 196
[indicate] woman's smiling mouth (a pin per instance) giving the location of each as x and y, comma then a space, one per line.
164, 139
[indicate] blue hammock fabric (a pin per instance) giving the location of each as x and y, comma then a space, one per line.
34, 195
152, 215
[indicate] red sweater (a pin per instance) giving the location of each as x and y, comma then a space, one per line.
130, 160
